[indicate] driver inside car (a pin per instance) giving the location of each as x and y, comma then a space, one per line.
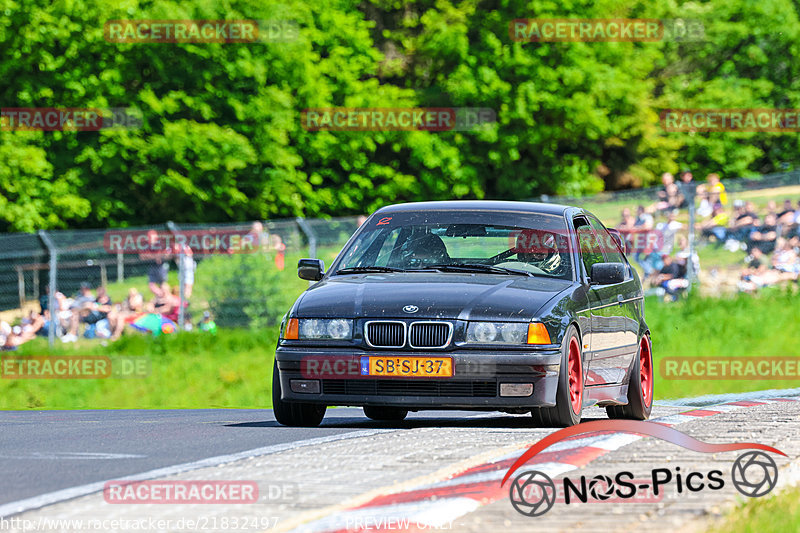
535, 249
424, 250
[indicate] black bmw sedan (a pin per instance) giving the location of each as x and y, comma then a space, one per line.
485, 305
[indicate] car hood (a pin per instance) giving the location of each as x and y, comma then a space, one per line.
436, 295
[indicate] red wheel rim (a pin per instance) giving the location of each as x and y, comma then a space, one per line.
646, 371
575, 376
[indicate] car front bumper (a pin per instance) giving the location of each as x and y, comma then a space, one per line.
475, 384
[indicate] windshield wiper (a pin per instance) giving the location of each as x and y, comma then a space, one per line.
479, 267
360, 270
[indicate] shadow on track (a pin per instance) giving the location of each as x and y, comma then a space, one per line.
354, 422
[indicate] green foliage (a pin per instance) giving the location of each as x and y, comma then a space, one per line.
244, 289
221, 137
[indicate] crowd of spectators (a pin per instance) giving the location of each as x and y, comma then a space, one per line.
92, 313
770, 236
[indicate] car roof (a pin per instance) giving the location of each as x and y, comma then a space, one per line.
478, 205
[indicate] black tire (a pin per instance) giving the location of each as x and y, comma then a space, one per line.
564, 414
639, 406
292, 413
385, 414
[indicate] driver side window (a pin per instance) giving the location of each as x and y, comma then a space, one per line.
591, 251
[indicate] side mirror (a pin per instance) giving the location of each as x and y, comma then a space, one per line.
607, 273
617, 236
310, 269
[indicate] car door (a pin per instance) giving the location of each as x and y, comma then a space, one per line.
616, 314
594, 326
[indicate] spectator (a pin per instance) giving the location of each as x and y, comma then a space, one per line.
648, 257
669, 278
159, 267
88, 310
744, 221
682, 256
785, 258
716, 189
644, 218
772, 208
258, 236
280, 251
668, 230
786, 217
187, 267
686, 180
765, 235
131, 308
716, 226
32, 325
12, 337
207, 324
706, 207
627, 222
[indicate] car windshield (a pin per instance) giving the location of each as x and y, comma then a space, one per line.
494, 243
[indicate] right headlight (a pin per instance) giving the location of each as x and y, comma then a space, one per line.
318, 329
507, 333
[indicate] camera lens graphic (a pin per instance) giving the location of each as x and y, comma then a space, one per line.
754, 474
532, 493
601, 488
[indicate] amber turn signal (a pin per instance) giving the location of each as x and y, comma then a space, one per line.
293, 329
537, 334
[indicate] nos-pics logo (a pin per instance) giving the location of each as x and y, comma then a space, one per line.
533, 493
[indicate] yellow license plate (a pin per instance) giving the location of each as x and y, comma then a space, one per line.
416, 367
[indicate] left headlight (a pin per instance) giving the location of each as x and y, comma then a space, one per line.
507, 333
318, 328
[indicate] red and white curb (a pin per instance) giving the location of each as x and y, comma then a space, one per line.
436, 505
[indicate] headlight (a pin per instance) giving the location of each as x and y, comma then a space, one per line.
507, 333
319, 328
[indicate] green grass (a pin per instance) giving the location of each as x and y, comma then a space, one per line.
767, 324
187, 370
773, 513
233, 368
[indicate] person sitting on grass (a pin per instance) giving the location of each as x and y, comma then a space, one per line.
672, 277
89, 312
786, 259
764, 236
131, 308
716, 226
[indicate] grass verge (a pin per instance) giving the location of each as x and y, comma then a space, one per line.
233, 368
779, 512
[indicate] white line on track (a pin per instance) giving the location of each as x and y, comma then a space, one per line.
50, 498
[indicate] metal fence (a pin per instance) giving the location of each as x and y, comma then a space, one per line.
74, 262
217, 285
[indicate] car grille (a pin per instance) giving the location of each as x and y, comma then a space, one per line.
386, 334
361, 387
429, 334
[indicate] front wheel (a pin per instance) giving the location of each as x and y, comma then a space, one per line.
640, 387
569, 396
293, 413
